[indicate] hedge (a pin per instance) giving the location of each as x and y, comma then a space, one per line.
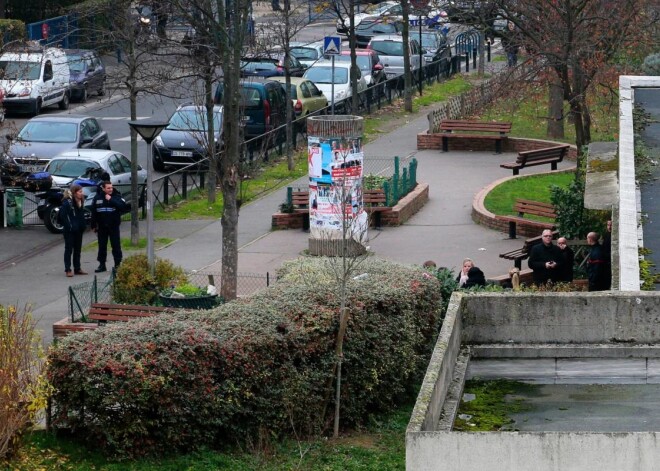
254, 368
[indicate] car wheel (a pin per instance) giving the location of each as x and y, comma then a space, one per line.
159, 166
37, 107
64, 104
50, 219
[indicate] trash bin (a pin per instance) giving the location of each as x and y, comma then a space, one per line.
15, 198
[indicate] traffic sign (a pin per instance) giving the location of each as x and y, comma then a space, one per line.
332, 45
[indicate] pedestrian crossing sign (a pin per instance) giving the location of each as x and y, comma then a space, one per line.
332, 45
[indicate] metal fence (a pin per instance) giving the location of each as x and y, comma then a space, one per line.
247, 283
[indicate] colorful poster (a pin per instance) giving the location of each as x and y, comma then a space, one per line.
335, 188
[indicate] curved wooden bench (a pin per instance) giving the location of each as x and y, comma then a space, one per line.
103, 313
536, 208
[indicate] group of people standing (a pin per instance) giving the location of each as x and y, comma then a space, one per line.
554, 263
106, 210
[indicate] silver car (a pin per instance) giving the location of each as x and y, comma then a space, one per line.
390, 49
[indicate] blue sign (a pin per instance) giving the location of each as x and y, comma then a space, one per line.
332, 45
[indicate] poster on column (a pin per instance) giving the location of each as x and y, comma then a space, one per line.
335, 188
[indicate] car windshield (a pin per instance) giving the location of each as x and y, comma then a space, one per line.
387, 48
293, 91
377, 9
324, 74
257, 66
70, 168
430, 41
304, 53
363, 62
20, 70
49, 131
193, 120
76, 64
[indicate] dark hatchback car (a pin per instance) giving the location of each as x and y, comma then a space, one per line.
367, 29
270, 67
185, 139
87, 73
43, 137
369, 63
437, 55
263, 104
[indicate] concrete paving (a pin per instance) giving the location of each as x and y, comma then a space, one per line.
442, 231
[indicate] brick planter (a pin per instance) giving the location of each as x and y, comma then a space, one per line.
64, 327
395, 216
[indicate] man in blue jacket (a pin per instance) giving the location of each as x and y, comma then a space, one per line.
107, 209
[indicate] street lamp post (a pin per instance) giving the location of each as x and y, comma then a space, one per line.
149, 129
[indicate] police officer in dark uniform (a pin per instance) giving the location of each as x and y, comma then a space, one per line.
107, 208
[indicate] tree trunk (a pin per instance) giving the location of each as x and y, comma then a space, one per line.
407, 75
212, 145
132, 88
555, 127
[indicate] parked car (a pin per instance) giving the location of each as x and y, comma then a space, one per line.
185, 139
33, 77
307, 53
306, 97
270, 66
390, 49
371, 12
71, 165
436, 52
43, 137
322, 75
378, 27
369, 63
87, 73
263, 103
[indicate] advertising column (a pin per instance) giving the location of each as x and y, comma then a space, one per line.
337, 220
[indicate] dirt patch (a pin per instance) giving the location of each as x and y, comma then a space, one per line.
358, 439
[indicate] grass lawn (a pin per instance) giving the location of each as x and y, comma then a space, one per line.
534, 187
379, 447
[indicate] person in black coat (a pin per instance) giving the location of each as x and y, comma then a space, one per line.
475, 278
568, 259
107, 209
607, 253
545, 260
72, 218
596, 264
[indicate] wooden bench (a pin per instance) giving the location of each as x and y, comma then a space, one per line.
103, 313
522, 253
374, 203
536, 208
454, 128
548, 155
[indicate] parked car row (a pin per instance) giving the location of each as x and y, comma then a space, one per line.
33, 77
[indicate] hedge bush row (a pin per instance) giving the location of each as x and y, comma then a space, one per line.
257, 367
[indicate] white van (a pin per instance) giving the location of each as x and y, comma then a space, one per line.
32, 77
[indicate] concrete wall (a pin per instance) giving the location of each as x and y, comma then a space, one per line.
563, 320
541, 451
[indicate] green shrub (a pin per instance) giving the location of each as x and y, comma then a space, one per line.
574, 221
651, 64
11, 30
135, 285
257, 367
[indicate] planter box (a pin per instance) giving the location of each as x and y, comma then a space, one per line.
197, 302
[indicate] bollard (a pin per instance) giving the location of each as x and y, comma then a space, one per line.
467, 61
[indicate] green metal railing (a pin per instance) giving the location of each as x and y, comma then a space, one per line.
401, 183
81, 297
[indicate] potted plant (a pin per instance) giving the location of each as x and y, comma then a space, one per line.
188, 296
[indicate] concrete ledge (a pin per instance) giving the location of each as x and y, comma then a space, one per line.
553, 350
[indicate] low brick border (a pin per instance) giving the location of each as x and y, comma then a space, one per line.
482, 216
509, 144
64, 327
395, 216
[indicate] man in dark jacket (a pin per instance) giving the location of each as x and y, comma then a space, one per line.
545, 260
596, 264
107, 208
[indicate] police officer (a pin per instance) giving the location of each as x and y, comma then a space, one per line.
107, 208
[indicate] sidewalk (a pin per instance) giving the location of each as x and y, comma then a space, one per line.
442, 231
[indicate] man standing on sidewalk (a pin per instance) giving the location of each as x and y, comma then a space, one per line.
107, 208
